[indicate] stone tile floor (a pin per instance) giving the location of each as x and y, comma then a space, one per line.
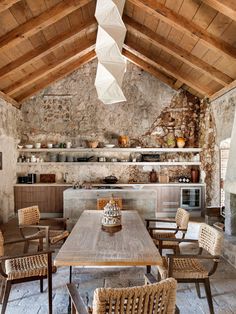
26, 298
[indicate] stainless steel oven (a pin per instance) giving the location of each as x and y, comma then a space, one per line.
190, 198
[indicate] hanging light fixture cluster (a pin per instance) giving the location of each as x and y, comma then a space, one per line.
110, 39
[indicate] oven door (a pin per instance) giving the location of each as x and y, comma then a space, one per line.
190, 198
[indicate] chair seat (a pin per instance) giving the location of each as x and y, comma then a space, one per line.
166, 244
183, 268
29, 266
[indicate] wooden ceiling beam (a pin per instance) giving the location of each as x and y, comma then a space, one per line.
44, 50
9, 100
6, 4
169, 69
142, 63
223, 91
40, 22
59, 74
85, 47
177, 51
223, 6
158, 10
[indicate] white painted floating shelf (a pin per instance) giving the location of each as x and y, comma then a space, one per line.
170, 163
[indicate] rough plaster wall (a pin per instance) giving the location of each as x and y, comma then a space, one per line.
151, 111
10, 117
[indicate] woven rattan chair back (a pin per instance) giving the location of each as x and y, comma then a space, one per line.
101, 202
210, 239
1, 244
29, 215
154, 298
182, 218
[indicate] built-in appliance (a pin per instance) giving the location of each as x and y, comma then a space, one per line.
190, 198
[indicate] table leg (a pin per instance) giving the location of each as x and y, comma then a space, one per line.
148, 269
70, 280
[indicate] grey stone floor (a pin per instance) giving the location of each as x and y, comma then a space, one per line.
26, 298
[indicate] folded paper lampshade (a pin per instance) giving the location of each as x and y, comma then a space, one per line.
110, 39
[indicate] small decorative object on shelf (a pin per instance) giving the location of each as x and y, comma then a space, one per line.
111, 219
123, 141
153, 176
180, 142
195, 174
184, 179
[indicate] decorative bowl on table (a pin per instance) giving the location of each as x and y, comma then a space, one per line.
111, 219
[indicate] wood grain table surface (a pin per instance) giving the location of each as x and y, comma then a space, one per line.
89, 245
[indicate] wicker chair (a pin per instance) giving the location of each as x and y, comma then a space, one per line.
181, 220
29, 219
101, 202
153, 298
188, 268
25, 267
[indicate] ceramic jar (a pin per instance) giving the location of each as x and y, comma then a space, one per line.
123, 141
180, 142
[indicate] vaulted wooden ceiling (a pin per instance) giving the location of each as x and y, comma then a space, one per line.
185, 43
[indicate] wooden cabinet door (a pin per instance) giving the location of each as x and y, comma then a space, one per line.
168, 199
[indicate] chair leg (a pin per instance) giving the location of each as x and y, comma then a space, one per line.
49, 275
6, 296
26, 246
208, 295
198, 289
3, 285
177, 250
41, 285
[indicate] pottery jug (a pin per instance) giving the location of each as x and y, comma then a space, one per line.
153, 176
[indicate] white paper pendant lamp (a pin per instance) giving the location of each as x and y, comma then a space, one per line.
110, 39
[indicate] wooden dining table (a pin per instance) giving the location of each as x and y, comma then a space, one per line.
89, 245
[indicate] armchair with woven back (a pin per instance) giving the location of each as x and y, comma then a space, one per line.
188, 268
179, 229
30, 223
25, 267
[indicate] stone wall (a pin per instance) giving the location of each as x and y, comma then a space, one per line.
10, 118
70, 111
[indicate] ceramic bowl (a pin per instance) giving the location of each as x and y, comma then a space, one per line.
49, 145
29, 146
109, 145
20, 146
92, 144
37, 145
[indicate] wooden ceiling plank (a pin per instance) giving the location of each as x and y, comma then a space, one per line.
141, 63
60, 73
223, 91
44, 50
68, 56
9, 99
172, 18
6, 4
40, 22
167, 68
223, 6
177, 51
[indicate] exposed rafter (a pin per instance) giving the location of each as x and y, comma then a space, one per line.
60, 73
169, 69
143, 64
68, 56
9, 99
225, 7
163, 13
223, 91
44, 50
40, 22
177, 51
6, 4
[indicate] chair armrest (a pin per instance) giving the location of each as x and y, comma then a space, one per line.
76, 299
177, 240
162, 228
211, 257
160, 220
46, 228
3, 258
24, 239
